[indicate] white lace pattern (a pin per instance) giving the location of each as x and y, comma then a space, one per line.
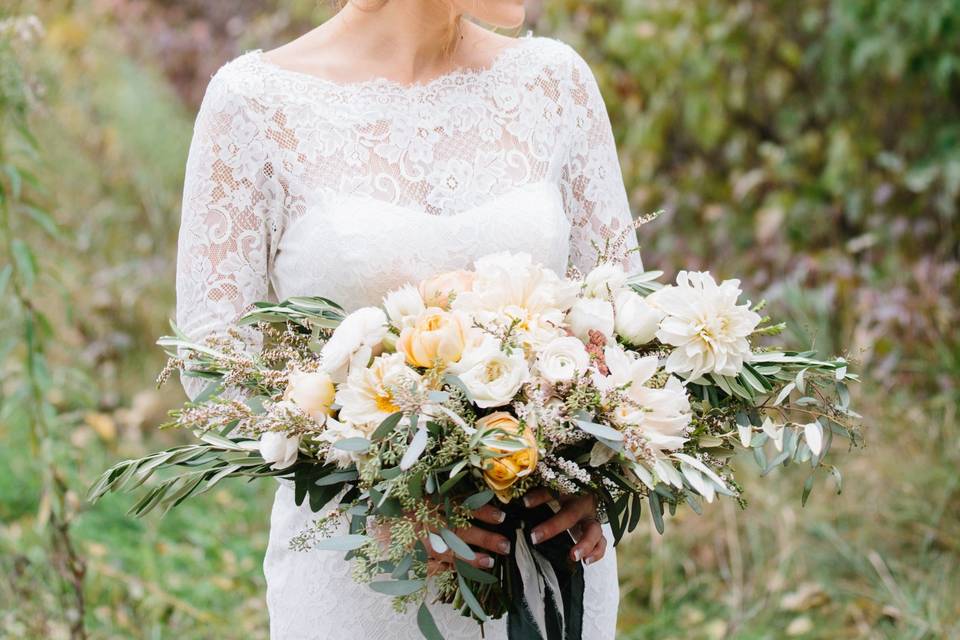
296, 185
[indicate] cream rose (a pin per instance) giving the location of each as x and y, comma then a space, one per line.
634, 320
436, 337
312, 391
491, 376
591, 313
437, 291
562, 359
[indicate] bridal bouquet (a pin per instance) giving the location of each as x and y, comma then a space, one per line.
474, 387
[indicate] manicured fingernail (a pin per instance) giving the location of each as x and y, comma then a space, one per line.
504, 546
588, 561
486, 562
576, 555
526, 501
501, 515
535, 536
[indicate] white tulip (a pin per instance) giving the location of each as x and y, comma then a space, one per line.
279, 449
591, 313
403, 305
562, 359
634, 320
357, 339
605, 281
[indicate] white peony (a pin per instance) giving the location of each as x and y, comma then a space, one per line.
605, 281
562, 359
591, 313
357, 339
403, 305
279, 449
511, 287
368, 395
491, 376
705, 324
336, 431
634, 320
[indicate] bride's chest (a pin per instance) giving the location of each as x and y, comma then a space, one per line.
354, 248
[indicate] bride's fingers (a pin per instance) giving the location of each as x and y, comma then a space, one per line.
484, 539
480, 560
599, 551
536, 497
489, 514
569, 515
590, 543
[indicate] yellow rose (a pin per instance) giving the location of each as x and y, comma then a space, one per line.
501, 473
436, 291
312, 391
436, 336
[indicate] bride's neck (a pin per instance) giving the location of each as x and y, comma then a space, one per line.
413, 36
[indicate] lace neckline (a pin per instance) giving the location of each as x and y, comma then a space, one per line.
457, 77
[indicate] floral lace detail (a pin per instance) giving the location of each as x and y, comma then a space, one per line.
298, 185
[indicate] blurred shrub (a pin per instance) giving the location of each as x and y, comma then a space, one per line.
812, 144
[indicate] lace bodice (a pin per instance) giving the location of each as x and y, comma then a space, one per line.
296, 185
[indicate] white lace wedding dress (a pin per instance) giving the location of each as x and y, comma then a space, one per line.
297, 185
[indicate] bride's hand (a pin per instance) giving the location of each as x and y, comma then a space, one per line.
575, 512
476, 536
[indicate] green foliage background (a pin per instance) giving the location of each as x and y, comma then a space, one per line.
810, 148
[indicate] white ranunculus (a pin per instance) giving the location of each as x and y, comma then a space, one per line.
705, 324
590, 313
357, 339
605, 281
368, 395
634, 320
279, 449
491, 376
403, 305
562, 359
334, 432
311, 391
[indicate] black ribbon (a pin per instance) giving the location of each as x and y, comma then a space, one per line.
521, 624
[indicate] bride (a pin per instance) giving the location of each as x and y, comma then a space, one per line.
397, 140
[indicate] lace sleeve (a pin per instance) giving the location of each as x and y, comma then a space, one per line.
591, 179
228, 221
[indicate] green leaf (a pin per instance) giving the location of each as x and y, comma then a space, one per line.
347, 542
477, 500
656, 511
397, 587
428, 627
471, 600
457, 545
470, 572
352, 444
387, 426
600, 430
338, 477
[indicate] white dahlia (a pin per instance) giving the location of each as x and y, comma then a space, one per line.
705, 325
368, 396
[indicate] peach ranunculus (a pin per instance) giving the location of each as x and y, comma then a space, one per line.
501, 473
437, 291
436, 337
